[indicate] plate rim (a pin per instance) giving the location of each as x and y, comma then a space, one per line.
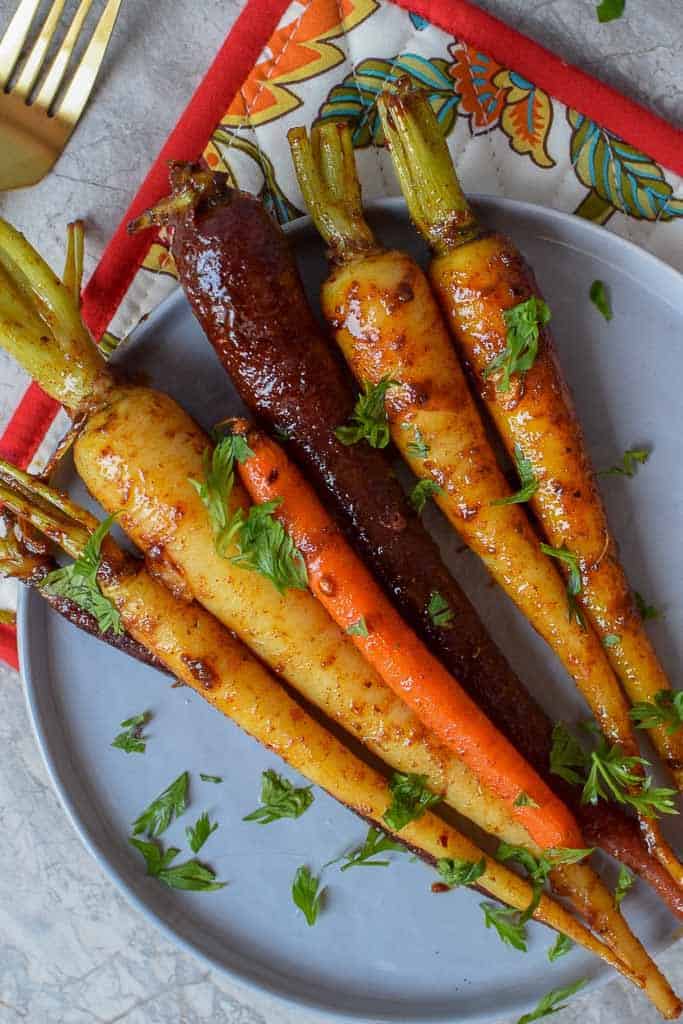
253, 980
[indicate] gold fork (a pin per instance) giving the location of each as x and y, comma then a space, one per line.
32, 135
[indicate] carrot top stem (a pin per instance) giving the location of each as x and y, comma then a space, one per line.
326, 172
425, 169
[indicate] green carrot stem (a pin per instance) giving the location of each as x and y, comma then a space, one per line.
49, 511
425, 169
40, 322
326, 171
35, 488
189, 184
73, 264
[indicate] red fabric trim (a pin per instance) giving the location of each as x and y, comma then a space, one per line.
235, 59
599, 102
8, 645
30, 422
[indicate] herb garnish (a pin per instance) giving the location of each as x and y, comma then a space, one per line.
132, 740
418, 448
524, 800
608, 774
624, 883
191, 875
306, 894
78, 582
550, 1003
422, 492
562, 946
646, 611
170, 804
611, 640
358, 628
666, 709
440, 611
527, 479
574, 583
199, 833
369, 417
216, 488
376, 842
505, 920
456, 871
609, 10
631, 459
410, 798
210, 778
538, 868
600, 299
266, 547
523, 322
280, 798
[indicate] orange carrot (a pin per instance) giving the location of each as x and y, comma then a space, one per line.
346, 588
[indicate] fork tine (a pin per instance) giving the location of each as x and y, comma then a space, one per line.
14, 38
80, 87
55, 75
35, 59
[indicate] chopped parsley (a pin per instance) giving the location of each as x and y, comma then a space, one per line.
665, 710
457, 871
198, 834
524, 800
645, 610
574, 583
600, 299
422, 492
523, 331
630, 460
216, 488
418, 447
611, 640
78, 582
624, 883
280, 798
439, 611
552, 1002
306, 893
376, 842
562, 945
132, 740
265, 547
190, 876
170, 804
410, 798
527, 479
368, 420
210, 778
358, 628
506, 922
610, 10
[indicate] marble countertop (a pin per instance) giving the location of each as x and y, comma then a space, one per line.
71, 949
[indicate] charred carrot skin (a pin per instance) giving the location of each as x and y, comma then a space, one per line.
261, 326
477, 277
347, 590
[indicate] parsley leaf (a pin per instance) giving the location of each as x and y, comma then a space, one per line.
358, 628
550, 1003
132, 740
506, 922
422, 492
610, 10
574, 583
191, 875
523, 322
199, 833
624, 883
280, 799
266, 547
611, 640
376, 842
170, 804
78, 582
567, 756
418, 448
562, 945
215, 490
647, 611
600, 299
457, 871
369, 417
524, 800
538, 868
210, 778
306, 894
440, 611
410, 798
666, 709
527, 479
631, 459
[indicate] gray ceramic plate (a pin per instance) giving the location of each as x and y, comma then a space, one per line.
385, 948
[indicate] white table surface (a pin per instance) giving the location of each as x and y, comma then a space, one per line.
71, 950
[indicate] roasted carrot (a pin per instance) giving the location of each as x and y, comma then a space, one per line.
272, 346
346, 589
381, 311
186, 638
479, 277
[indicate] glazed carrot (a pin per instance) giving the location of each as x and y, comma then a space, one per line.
478, 277
382, 314
355, 601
